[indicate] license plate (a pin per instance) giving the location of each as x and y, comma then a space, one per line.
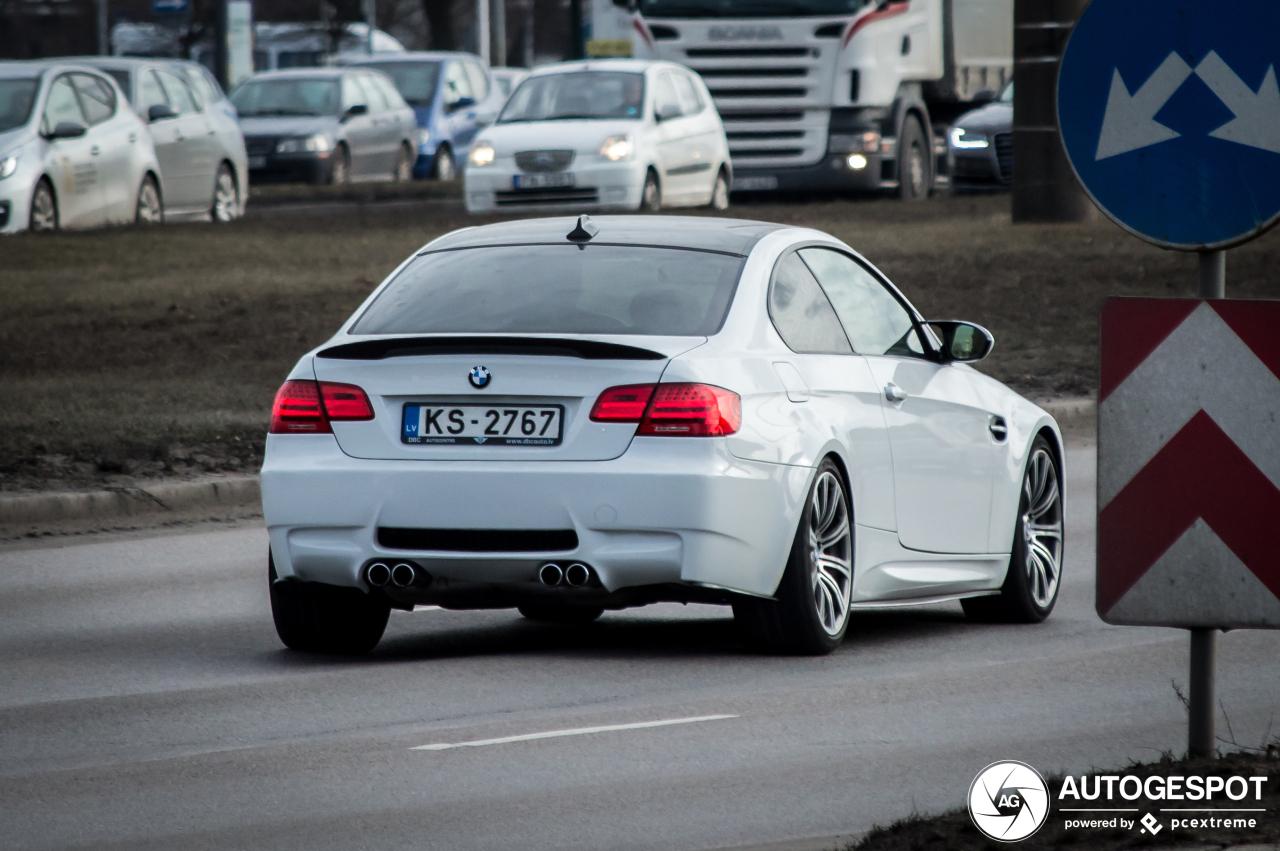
257, 162
542, 181
487, 425
754, 184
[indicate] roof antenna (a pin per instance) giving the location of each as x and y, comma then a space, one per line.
583, 232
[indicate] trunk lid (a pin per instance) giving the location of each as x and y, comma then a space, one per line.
524, 370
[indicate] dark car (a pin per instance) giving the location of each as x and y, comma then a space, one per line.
326, 125
980, 145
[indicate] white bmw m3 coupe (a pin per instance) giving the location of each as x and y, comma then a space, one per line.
565, 416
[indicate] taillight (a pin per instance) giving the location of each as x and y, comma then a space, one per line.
345, 402
671, 410
622, 404
306, 407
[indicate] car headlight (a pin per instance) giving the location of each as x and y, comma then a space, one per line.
317, 143
961, 138
616, 148
8, 166
482, 154
424, 136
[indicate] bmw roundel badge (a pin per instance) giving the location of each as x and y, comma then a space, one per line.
479, 377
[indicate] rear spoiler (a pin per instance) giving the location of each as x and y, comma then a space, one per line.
401, 347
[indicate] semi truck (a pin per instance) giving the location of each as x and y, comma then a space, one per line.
826, 94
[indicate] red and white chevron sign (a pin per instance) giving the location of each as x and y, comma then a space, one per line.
1189, 463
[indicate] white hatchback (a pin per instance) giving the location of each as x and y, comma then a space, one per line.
565, 417
617, 134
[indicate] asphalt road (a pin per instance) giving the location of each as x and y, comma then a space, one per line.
145, 702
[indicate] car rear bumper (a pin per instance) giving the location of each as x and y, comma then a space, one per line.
669, 510
311, 168
831, 174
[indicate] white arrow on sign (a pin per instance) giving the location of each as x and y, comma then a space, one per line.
1257, 121
1129, 122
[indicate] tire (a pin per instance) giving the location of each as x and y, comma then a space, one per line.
148, 210
226, 197
340, 168
403, 171
810, 613
915, 177
315, 618
44, 208
720, 192
1031, 585
560, 613
442, 165
651, 195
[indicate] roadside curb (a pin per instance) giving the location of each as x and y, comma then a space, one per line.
128, 502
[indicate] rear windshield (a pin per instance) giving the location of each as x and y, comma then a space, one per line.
579, 94
416, 81
557, 289
16, 97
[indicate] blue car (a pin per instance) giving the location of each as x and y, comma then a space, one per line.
453, 96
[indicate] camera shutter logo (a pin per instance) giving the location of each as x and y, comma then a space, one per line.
479, 377
1008, 801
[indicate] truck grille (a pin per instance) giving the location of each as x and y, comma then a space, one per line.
753, 72
258, 145
544, 160
745, 52
566, 195
720, 94
1004, 156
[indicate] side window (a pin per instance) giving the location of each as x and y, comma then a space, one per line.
456, 84
203, 86
876, 322
389, 92
373, 94
149, 92
801, 313
62, 104
690, 103
665, 100
479, 80
180, 96
96, 97
352, 94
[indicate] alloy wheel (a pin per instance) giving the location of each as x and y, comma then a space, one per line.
44, 212
915, 170
225, 197
1041, 523
444, 165
720, 194
149, 211
830, 552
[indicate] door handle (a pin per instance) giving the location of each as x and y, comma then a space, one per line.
999, 429
894, 393
94, 151
133, 137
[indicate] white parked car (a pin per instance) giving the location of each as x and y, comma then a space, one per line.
621, 134
197, 138
72, 152
567, 417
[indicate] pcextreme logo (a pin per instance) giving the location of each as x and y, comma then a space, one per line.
1008, 801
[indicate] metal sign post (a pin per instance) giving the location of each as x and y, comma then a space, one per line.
1169, 114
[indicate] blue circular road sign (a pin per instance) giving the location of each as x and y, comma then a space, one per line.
1170, 115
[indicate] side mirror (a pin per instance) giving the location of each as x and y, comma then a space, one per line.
629, 5
159, 112
667, 111
461, 103
963, 341
984, 96
354, 110
68, 130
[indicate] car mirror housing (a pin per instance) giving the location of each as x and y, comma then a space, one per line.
354, 110
667, 111
68, 130
984, 96
461, 103
963, 341
159, 112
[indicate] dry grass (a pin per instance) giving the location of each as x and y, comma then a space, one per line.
157, 352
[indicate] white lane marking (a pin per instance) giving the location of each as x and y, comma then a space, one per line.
576, 731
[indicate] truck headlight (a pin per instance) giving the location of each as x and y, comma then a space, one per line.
616, 148
961, 138
8, 166
313, 144
482, 154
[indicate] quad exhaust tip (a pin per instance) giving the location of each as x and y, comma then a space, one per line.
377, 574
577, 574
550, 575
403, 575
